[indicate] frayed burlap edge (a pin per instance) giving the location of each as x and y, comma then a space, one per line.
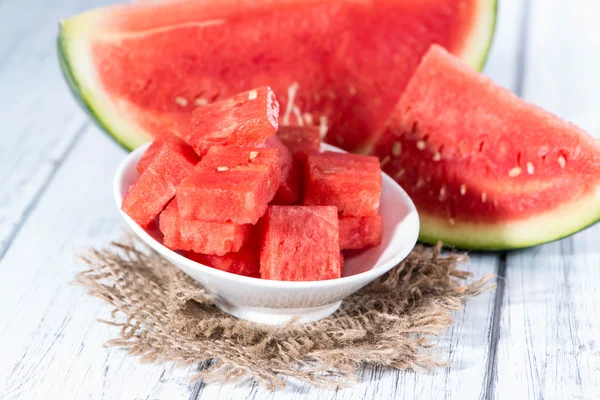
165, 316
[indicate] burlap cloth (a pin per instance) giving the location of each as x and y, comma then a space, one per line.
165, 316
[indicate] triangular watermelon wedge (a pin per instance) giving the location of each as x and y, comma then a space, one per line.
486, 169
142, 68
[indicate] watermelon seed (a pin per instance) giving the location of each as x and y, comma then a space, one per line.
308, 118
298, 115
516, 171
420, 184
200, 101
421, 145
351, 90
463, 189
483, 197
481, 146
562, 161
415, 127
253, 94
530, 168
339, 139
182, 101
328, 171
253, 155
385, 160
323, 126
451, 221
399, 174
396, 148
222, 168
290, 103
437, 157
442, 193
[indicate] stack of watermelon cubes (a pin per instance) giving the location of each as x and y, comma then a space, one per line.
248, 197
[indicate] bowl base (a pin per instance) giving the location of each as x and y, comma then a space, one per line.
278, 316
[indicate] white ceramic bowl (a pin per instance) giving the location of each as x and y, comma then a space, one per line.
275, 302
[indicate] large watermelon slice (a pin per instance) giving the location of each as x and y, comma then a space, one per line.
142, 68
485, 169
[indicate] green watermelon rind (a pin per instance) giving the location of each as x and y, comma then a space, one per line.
544, 228
75, 31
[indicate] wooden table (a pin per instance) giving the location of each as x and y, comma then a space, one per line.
536, 336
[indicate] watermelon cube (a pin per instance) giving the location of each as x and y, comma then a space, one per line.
199, 236
300, 243
245, 262
350, 182
300, 139
360, 232
149, 155
246, 120
230, 184
288, 189
157, 185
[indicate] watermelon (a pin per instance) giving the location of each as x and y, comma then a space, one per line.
247, 119
300, 139
230, 184
300, 243
245, 262
149, 155
350, 182
485, 169
288, 189
147, 197
140, 69
199, 236
360, 232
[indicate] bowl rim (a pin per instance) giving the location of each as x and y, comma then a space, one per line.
130, 162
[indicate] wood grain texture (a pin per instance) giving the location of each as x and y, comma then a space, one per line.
40, 120
549, 331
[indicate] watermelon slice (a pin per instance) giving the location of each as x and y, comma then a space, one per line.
300, 243
146, 198
142, 68
360, 232
199, 236
230, 184
248, 119
485, 169
350, 182
288, 189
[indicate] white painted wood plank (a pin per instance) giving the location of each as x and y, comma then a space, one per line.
549, 329
53, 346
39, 117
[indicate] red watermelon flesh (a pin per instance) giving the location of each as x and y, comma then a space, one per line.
484, 168
149, 155
199, 236
300, 243
288, 189
350, 182
247, 119
230, 184
146, 198
360, 232
346, 61
300, 139
244, 262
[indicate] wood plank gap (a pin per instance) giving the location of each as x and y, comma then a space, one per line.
39, 194
492, 363
521, 64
